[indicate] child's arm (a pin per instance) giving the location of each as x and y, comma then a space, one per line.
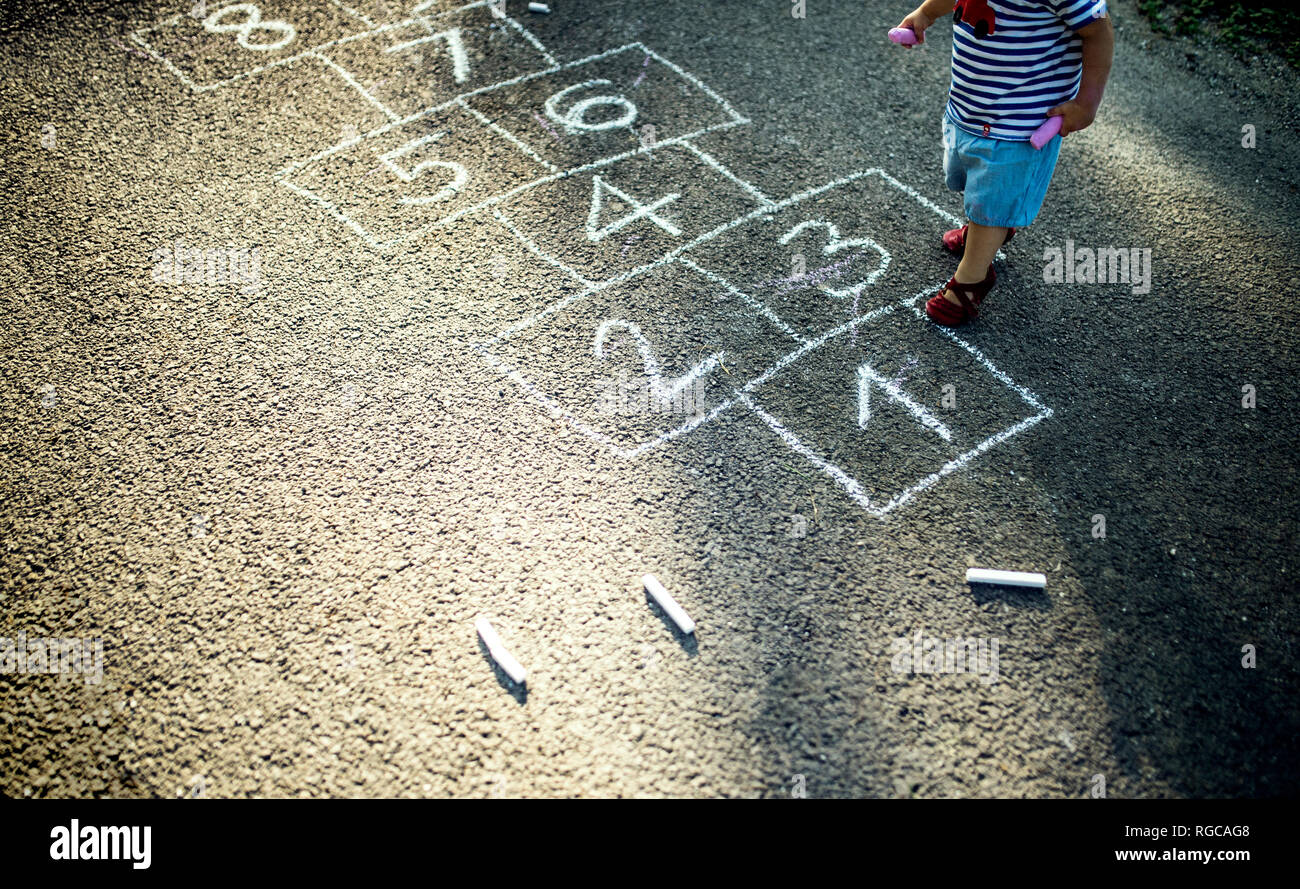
926, 15
1098, 50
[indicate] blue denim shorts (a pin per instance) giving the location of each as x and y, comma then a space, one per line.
1004, 181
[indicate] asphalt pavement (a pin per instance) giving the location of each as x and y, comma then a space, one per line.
330, 329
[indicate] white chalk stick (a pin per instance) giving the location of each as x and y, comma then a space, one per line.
539, 7
1006, 578
504, 659
668, 604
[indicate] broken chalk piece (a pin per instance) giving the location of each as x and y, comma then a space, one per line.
668, 604
539, 7
1006, 578
504, 659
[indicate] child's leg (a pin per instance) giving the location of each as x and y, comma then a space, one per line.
982, 244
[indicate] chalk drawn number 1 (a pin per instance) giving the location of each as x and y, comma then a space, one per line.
252, 22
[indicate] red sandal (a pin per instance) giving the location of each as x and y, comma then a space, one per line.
954, 240
942, 311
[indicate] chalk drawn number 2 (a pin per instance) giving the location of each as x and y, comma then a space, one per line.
665, 390
215, 23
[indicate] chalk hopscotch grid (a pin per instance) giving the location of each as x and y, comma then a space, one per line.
851, 486
743, 395
736, 119
767, 206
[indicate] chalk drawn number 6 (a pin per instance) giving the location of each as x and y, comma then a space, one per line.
252, 22
834, 244
575, 119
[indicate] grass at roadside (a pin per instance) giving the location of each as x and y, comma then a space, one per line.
1244, 27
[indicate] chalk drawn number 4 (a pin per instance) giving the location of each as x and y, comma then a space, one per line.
600, 187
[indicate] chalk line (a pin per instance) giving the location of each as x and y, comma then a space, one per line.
509, 136
531, 246
928, 204
979, 356
713, 162
355, 84
849, 484
532, 38
352, 12
333, 211
750, 301
375, 30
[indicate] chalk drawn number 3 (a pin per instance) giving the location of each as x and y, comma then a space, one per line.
215, 23
834, 244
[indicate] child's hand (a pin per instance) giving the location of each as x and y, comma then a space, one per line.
1077, 115
918, 21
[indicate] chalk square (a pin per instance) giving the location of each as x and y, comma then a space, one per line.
216, 44
831, 254
399, 181
618, 217
637, 363
888, 403
624, 100
420, 64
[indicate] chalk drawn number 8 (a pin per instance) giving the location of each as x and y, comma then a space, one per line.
252, 22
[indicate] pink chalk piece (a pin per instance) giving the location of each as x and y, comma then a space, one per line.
1044, 134
903, 36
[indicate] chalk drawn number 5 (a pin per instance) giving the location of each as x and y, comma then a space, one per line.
458, 176
834, 244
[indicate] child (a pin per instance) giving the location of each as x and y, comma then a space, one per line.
1014, 64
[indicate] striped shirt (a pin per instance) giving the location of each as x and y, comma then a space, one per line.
1012, 60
